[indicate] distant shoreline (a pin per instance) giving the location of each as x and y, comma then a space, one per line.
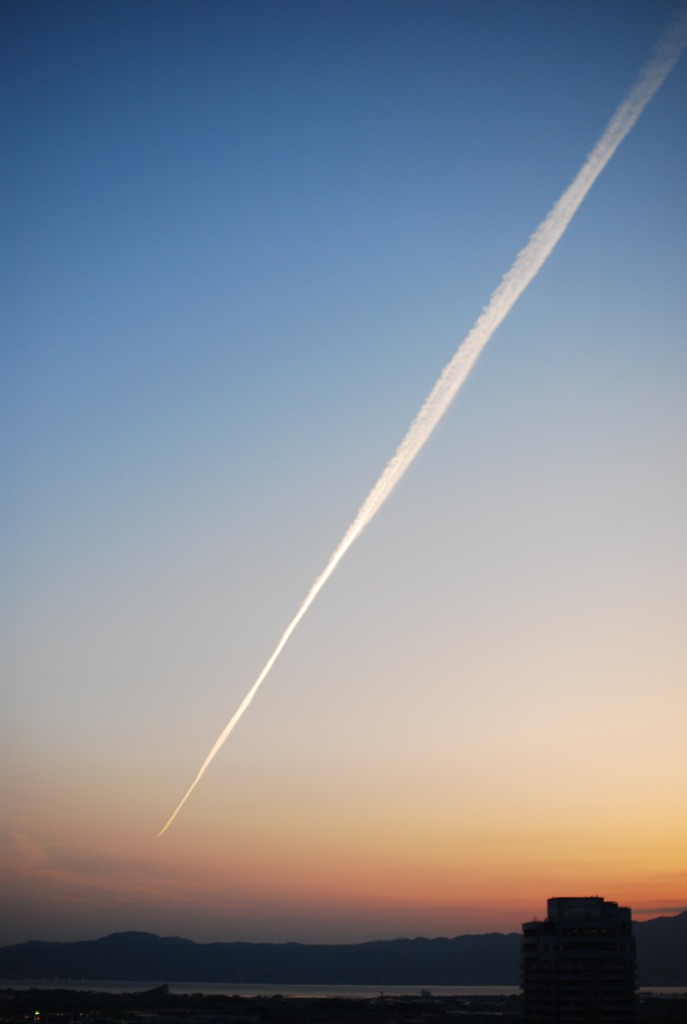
284, 1004
255, 990
295, 991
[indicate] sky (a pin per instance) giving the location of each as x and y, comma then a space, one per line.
240, 240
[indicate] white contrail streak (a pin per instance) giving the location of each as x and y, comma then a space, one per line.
527, 264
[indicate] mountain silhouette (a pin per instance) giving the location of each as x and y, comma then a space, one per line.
492, 959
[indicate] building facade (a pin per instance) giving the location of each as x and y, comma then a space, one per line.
579, 965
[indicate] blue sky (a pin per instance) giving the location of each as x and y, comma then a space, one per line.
240, 242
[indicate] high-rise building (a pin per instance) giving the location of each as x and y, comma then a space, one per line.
579, 965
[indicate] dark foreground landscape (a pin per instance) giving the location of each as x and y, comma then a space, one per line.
64, 1006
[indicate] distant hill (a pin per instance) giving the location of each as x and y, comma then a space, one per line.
662, 950
138, 956
465, 960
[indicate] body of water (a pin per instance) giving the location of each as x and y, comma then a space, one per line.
218, 988
294, 991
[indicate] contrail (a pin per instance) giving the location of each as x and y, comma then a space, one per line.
527, 265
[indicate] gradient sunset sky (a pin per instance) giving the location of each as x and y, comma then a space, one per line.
240, 241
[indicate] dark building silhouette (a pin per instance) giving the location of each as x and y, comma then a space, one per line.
579, 965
